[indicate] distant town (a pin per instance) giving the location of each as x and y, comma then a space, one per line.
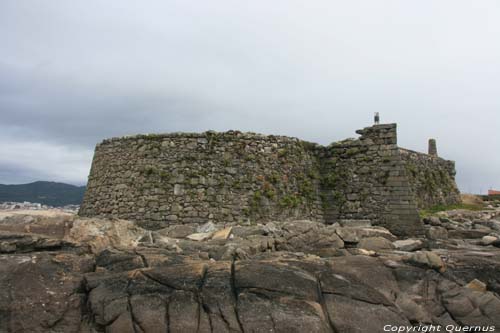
36, 206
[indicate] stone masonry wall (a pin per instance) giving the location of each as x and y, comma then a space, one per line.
366, 179
159, 180
432, 179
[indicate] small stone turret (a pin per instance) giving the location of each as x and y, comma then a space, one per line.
433, 147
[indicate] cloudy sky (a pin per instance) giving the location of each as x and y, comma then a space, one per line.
75, 72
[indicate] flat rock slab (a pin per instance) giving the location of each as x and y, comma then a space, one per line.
426, 259
200, 236
408, 245
222, 234
355, 234
375, 243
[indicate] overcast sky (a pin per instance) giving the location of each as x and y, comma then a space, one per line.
75, 72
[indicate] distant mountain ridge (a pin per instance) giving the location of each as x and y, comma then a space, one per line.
47, 193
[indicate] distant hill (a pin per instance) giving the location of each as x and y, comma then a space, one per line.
47, 193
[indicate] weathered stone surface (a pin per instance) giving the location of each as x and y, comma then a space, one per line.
50, 224
355, 234
274, 279
476, 285
468, 264
437, 233
369, 270
281, 279
431, 179
178, 231
433, 220
375, 243
206, 228
426, 259
473, 308
204, 178
100, 234
408, 244
361, 174
362, 252
412, 310
187, 178
41, 291
356, 223
488, 240
200, 236
22, 243
468, 233
351, 315
492, 224
222, 234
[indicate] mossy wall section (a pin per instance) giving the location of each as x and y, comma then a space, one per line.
159, 180
431, 178
366, 179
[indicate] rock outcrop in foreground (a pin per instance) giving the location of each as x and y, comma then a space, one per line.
69, 274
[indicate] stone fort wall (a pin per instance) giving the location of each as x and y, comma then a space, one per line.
179, 178
431, 178
195, 178
366, 179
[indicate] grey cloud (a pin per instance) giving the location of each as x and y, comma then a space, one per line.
25, 161
14, 174
73, 73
